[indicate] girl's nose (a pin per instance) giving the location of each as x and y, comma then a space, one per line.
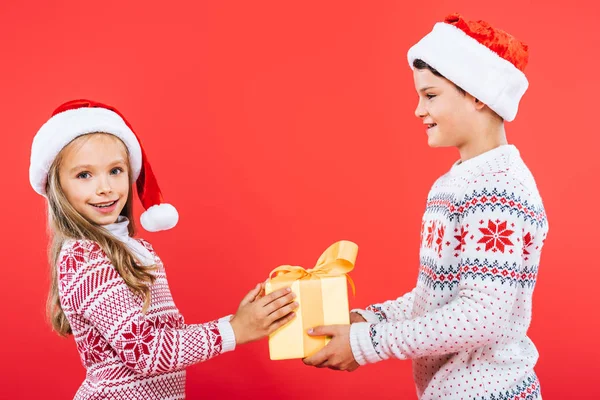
103, 187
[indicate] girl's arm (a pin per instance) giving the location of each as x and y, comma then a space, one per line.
90, 286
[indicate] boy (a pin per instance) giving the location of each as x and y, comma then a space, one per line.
465, 323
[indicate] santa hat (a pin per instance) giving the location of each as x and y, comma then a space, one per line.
486, 62
80, 117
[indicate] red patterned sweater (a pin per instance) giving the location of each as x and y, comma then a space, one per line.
465, 323
127, 354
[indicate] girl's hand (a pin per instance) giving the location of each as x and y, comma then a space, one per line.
258, 316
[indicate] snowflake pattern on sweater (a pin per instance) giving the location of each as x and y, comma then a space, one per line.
465, 323
128, 354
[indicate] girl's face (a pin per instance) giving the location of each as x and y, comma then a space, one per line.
94, 177
446, 113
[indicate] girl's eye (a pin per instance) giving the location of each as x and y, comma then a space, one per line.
116, 170
83, 175
430, 96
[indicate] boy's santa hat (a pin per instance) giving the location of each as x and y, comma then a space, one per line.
79, 117
486, 62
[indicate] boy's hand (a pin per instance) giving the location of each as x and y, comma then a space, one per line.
356, 317
338, 353
258, 316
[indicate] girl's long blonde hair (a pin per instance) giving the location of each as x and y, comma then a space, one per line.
67, 223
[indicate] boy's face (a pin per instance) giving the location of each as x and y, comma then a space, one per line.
94, 177
445, 111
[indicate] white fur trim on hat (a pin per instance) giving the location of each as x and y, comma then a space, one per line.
472, 66
62, 128
159, 218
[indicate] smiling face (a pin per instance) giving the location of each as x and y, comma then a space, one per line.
446, 112
94, 176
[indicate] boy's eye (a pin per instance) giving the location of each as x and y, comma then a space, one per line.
83, 175
116, 170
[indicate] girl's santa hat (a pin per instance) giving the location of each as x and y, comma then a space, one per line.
486, 62
80, 117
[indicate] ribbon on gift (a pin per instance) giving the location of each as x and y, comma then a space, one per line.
335, 262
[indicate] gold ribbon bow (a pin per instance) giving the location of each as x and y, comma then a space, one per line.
337, 260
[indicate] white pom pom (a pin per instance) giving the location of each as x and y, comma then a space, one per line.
159, 218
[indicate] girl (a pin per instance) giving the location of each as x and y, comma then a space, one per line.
110, 290
465, 323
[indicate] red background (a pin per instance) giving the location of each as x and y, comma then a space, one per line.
277, 128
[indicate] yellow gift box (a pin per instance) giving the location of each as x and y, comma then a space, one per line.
322, 295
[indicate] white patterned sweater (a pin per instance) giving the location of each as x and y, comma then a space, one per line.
465, 323
128, 354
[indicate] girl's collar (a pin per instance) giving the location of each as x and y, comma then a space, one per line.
119, 228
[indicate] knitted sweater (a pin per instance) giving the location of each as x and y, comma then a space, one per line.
465, 323
128, 354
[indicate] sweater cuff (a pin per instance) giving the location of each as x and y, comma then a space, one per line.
369, 316
362, 345
227, 334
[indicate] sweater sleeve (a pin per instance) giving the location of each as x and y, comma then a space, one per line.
490, 262
391, 310
90, 286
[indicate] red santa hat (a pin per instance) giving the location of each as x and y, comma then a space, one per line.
486, 62
80, 117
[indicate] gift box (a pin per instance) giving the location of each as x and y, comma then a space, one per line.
322, 295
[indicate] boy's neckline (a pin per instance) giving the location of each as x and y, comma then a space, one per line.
477, 162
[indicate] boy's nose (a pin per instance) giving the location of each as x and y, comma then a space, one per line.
420, 110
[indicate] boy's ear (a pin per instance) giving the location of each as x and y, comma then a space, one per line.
478, 103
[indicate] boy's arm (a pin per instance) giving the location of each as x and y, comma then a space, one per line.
491, 273
391, 310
